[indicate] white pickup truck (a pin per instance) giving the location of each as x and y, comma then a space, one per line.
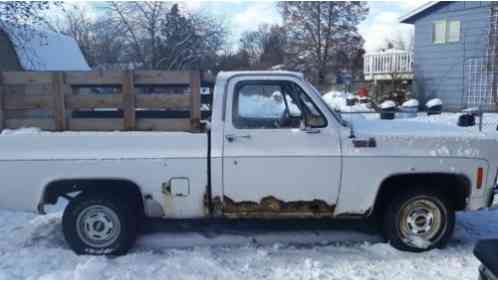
272, 149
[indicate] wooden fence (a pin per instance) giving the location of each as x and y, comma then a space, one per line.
55, 100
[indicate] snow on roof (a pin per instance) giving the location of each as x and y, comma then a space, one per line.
46, 51
418, 10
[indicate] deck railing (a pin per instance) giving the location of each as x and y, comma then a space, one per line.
393, 62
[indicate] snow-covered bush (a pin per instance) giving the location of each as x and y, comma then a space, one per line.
338, 101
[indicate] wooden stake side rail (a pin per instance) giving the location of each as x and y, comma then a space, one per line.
47, 99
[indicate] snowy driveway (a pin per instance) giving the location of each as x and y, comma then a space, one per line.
33, 247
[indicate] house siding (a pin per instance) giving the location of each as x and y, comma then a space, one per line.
8, 56
440, 68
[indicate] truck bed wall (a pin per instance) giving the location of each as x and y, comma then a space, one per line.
28, 163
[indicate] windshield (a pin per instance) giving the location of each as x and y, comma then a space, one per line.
334, 112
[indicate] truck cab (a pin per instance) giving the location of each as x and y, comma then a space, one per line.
276, 146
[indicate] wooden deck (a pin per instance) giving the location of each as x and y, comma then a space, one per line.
388, 66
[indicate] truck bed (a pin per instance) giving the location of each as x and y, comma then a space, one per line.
31, 160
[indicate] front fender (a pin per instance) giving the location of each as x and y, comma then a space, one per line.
363, 176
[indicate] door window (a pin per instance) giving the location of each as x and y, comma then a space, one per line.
273, 105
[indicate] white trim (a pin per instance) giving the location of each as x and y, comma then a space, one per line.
418, 10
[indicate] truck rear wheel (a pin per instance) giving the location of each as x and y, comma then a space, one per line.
99, 224
418, 221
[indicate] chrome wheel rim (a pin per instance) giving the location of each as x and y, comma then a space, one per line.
421, 223
98, 226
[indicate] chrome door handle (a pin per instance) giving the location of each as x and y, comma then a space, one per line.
231, 138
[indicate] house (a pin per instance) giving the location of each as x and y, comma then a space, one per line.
23, 49
454, 53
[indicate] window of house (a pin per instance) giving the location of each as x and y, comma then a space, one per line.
439, 32
454, 31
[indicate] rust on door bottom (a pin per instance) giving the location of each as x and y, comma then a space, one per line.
271, 206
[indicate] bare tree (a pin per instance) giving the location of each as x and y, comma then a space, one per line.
228, 59
99, 39
397, 42
19, 20
317, 31
265, 46
21, 13
188, 40
141, 22
76, 23
161, 36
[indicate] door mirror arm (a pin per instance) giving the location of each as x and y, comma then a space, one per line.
351, 131
310, 130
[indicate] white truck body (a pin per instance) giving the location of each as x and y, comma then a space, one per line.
323, 172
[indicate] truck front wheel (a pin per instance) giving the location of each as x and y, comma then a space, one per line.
418, 221
99, 224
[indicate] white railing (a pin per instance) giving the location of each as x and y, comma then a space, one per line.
392, 62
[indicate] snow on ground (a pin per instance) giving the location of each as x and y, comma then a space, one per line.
33, 247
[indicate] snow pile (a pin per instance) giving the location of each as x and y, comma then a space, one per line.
388, 104
337, 100
22, 131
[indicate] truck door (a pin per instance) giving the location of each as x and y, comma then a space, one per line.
281, 154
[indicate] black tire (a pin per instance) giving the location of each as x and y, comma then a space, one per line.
398, 222
116, 212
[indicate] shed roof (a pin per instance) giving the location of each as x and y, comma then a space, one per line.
414, 14
46, 51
